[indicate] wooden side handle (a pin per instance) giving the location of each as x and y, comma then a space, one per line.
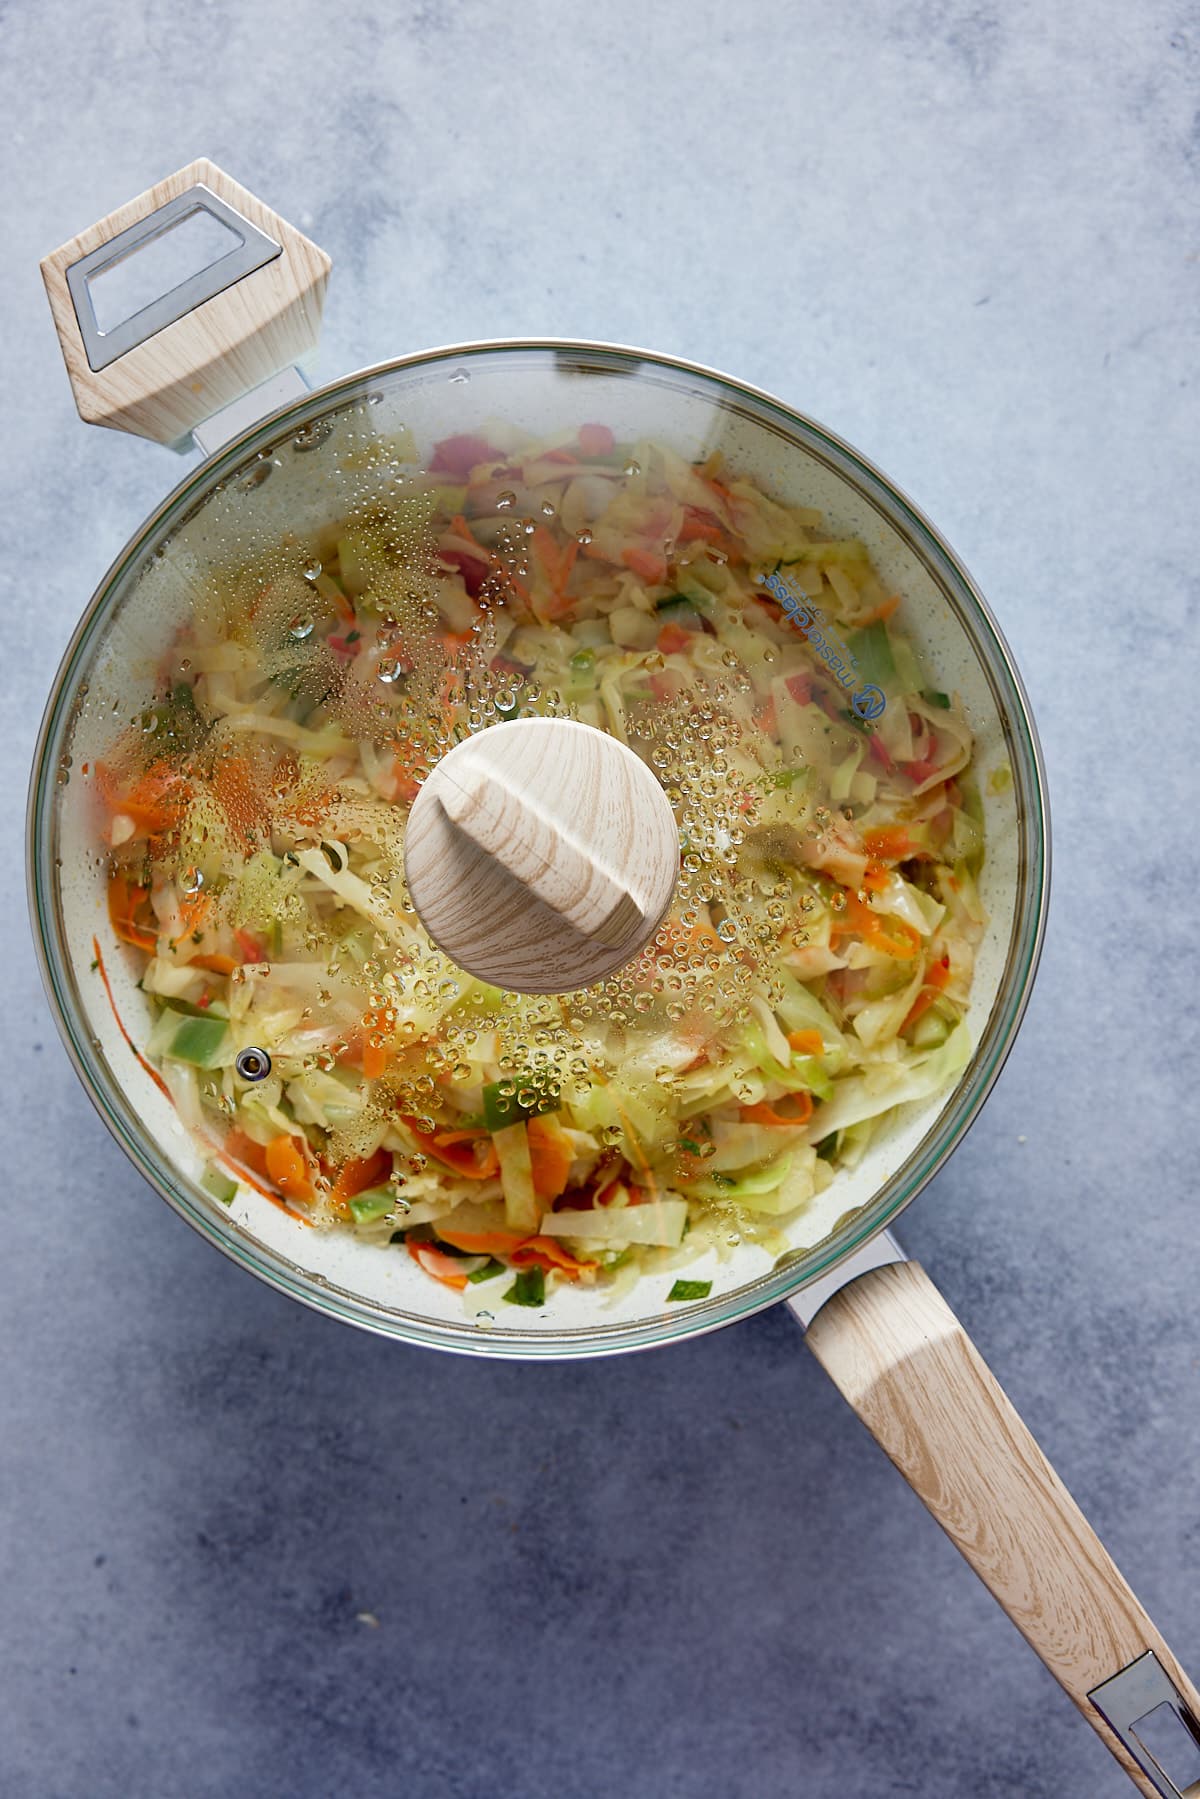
538, 850
210, 339
897, 1352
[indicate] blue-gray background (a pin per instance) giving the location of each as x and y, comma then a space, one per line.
965, 236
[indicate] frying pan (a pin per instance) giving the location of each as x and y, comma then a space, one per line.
210, 362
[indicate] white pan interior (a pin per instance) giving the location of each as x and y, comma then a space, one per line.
307, 483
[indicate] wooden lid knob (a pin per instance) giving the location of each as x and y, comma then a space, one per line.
541, 855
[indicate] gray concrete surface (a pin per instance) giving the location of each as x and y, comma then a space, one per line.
966, 236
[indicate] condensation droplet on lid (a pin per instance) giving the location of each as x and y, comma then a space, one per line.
313, 435
458, 377
583, 538
632, 468
263, 468
505, 501
389, 670
485, 1318
300, 627
547, 508
191, 880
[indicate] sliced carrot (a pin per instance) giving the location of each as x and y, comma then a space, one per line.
248, 1160
673, 638
407, 788
596, 440
480, 1243
442, 1267
545, 548
124, 904
764, 716
345, 610
699, 527
214, 964
891, 935
245, 1150
460, 455
238, 795
937, 975
152, 1072
260, 1186
674, 935
470, 1153
566, 562
806, 1043
884, 610
192, 914
551, 1154
154, 801
375, 1058
360, 1172
888, 843
287, 1166
764, 1113
548, 1253
252, 947
876, 878
648, 565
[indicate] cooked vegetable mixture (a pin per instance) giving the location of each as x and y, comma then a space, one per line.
811, 976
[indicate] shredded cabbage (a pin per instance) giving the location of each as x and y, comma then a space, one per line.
810, 980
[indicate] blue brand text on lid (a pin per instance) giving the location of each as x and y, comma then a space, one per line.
866, 700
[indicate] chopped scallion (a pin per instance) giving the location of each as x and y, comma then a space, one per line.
689, 1290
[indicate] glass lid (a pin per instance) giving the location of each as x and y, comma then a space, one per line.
537, 849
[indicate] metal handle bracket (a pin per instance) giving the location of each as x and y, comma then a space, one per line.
879, 1252
1128, 1698
253, 250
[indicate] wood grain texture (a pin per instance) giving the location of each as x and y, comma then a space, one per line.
541, 855
166, 386
897, 1352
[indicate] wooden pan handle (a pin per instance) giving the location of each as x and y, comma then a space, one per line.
208, 340
897, 1352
